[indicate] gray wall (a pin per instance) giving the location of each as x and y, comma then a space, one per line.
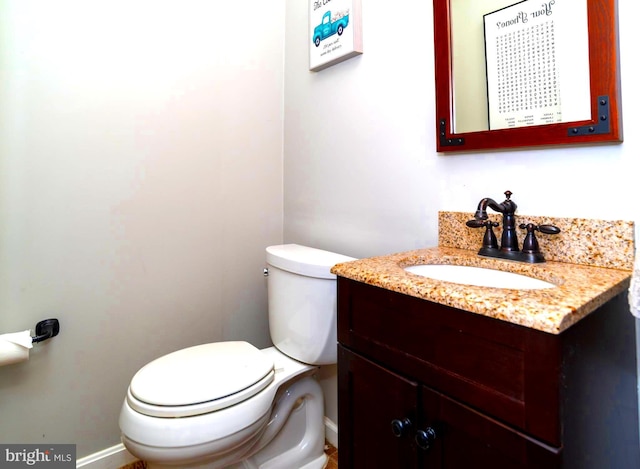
140, 181
361, 174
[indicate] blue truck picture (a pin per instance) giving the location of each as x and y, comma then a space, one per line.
330, 26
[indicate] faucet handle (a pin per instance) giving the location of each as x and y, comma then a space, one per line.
548, 229
530, 244
489, 240
473, 223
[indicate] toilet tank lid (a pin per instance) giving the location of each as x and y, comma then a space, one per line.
304, 260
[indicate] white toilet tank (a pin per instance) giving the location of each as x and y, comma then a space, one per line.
302, 302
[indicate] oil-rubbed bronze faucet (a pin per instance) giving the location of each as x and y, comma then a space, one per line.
509, 239
508, 248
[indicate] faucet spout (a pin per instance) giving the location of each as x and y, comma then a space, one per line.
481, 212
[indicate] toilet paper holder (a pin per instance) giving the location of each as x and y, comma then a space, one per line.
46, 329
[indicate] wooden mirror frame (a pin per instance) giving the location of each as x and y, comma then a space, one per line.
605, 124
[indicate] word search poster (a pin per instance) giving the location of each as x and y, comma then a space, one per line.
537, 63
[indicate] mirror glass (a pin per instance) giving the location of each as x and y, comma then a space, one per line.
518, 64
524, 73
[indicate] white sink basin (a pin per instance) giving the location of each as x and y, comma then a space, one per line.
478, 276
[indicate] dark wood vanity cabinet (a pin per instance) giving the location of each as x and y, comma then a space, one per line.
425, 385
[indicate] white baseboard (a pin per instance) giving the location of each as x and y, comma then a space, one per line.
331, 431
118, 456
110, 458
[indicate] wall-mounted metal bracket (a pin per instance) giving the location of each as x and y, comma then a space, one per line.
602, 127
442, 135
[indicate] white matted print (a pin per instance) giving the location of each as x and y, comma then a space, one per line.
335, 32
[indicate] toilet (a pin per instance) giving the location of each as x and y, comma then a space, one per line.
229, 404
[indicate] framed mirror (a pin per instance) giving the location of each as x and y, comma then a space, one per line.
497, 60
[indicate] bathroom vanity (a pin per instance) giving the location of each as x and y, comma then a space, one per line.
438, 374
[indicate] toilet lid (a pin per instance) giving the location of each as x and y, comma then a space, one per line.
228, 372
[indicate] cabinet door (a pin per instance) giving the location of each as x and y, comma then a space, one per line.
376, 411
466, 438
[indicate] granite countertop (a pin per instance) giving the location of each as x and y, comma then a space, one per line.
580, 288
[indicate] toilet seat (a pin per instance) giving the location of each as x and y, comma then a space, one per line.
201, 379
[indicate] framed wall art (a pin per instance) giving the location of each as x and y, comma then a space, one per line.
335, 32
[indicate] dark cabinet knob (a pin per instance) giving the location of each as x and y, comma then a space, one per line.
400, 428
425, 438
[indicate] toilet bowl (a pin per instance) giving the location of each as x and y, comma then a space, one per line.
229, 404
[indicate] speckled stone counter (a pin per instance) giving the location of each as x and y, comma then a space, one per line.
580, 289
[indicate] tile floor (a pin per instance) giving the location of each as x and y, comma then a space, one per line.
330, 450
